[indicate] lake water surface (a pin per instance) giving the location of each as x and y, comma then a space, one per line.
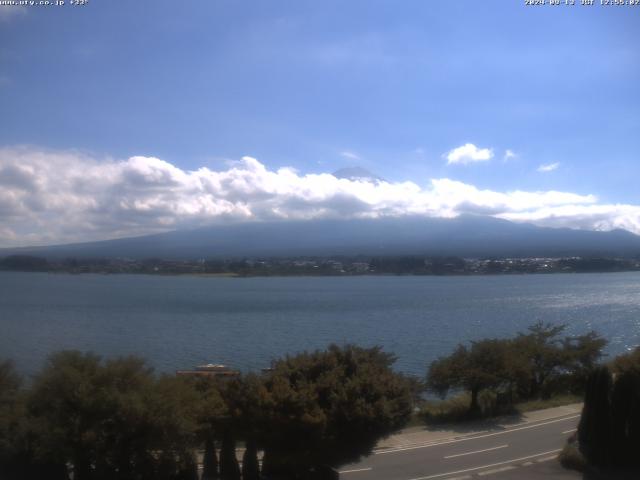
180, 321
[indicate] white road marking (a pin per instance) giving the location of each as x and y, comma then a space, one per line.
355, 470
496, 470
569, 431
447, 439
485, 466
564, 415
476, 437
477, 451
526, 464
546, 459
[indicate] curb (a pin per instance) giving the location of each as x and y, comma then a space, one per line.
452, 438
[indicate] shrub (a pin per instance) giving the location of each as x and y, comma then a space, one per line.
571, 458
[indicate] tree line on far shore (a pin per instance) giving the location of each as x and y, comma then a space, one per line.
320, 265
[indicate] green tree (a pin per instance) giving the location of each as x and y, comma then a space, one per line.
625, 410
625, 420
229, 468
330, 407
213, 418
483, 365
17, 458
63, 401
210, 459
244, 398
545, 357
629, 362
581, 357
10, 383
173, 422
250, 466
110, 420
536, 363
609, 429
594, 429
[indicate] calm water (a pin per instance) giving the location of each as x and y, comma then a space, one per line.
178, 322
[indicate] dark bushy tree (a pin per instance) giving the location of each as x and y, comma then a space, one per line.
609, 429
629, 362
250, 466
625, 420
581, 357
331, 407
210, 460
625, 406
109, 419
483, 365
245, 399
594, 429
542, 348
229, 468
536, 363
16, 455
213, 418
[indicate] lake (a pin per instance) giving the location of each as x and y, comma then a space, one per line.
180, 321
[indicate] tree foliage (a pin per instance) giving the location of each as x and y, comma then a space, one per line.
533, 364
330, 407
108, 419
97, 419
609, 429
482, 365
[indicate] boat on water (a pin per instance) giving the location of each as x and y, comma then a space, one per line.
212, 367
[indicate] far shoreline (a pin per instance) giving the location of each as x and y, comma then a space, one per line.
307, 275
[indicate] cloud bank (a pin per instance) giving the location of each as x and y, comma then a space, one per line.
56, 197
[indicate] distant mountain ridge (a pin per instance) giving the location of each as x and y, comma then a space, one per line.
465, 236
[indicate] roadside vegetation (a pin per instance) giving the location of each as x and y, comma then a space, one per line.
96, 419
87, 418
539, 368
607, 443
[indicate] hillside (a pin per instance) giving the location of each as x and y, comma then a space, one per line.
465, 236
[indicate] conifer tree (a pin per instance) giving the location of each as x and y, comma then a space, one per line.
229, 468
594, 430
250, 468
210, 460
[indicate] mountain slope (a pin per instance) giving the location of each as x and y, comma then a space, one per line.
468, 236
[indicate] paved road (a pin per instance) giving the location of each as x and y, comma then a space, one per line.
516, 451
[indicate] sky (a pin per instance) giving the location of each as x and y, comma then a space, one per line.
122, 118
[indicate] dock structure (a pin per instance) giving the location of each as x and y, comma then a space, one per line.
209, 370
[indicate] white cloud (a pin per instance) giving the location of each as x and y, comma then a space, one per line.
548, 167
588, 217
509, 154
57, 197
350, 155
468, 153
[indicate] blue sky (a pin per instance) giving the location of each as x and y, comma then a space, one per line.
392, 86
